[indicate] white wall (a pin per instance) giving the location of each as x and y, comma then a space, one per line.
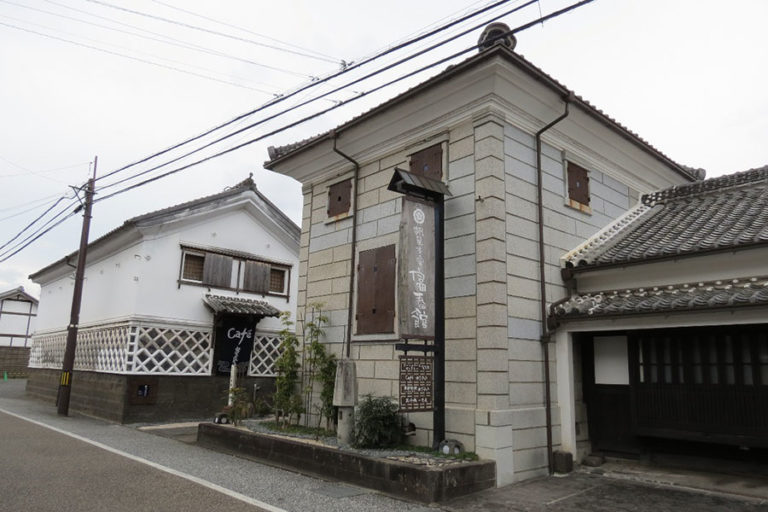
161, 296
14, 328
142, 279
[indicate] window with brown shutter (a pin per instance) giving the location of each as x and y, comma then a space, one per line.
376, 291
256, 277
578, 184
428, 162
217, 270
339, 198
192, 267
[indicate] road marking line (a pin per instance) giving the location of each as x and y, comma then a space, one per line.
186, 476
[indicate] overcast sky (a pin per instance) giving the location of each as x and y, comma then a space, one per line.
687, 76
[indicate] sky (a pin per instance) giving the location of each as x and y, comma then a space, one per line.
125, 79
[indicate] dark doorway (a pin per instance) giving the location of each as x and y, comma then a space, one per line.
707, 386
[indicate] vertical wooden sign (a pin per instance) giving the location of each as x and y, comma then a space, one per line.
416, 272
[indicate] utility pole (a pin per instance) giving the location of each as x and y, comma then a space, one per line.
65, 385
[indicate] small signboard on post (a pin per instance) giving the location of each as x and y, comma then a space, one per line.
416, 383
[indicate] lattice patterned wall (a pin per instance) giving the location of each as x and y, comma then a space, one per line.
100, 349
129, 347
266, 350
170, 351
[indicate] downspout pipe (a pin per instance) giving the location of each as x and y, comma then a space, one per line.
543, 282
348, 340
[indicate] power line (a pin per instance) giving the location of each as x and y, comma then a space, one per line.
138, 59
209, 31
17, 235
311, 100
37, 173
311, 85
375, 89
44, 229
164, 39
29, 240
230, 25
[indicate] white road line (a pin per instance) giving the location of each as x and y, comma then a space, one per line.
186, 476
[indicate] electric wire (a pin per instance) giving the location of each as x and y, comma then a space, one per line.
237, 27
164, 39
35, 236
46, 228
322, 112
131, 57
308, 86
33, 222
311, 100
209, 31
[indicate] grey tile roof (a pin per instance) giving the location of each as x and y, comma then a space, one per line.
240, 306
246, 185
664, 299
277, 153
719, 213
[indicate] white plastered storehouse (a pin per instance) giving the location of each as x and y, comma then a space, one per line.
474, 127
159, 293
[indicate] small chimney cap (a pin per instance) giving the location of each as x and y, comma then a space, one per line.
496, 33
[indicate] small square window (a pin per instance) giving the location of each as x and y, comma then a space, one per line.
428, 162
339, 198
192, 268
578, 186
277, 280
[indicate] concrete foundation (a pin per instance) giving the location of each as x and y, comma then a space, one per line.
142, 398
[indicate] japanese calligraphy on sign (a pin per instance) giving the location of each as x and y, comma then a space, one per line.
416, 304
416, 383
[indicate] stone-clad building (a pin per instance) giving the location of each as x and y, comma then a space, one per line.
474, 126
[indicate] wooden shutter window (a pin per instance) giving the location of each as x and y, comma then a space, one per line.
339, 198
256, 277
193, 267
217, 270
277, 280
428, 162
376, 291
578, 183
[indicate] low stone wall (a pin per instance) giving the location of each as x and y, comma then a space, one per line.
428, 484
13, 361
141, 398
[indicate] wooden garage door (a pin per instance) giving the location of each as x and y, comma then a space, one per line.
708, 384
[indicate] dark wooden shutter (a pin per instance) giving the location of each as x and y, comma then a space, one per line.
428, 162
217, 270
256, 277
339, 198
376, 291
578, 183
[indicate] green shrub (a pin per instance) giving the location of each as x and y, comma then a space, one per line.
377, 424
286, 400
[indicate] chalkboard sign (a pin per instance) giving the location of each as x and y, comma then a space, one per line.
416, 383
234, 342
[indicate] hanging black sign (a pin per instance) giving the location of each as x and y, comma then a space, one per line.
234, 342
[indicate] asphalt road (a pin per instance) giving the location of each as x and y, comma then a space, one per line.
45, 470
49, 462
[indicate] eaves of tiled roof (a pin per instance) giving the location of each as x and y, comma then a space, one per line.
725, 213
279, 153
247, 184
734, 293
240, 306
